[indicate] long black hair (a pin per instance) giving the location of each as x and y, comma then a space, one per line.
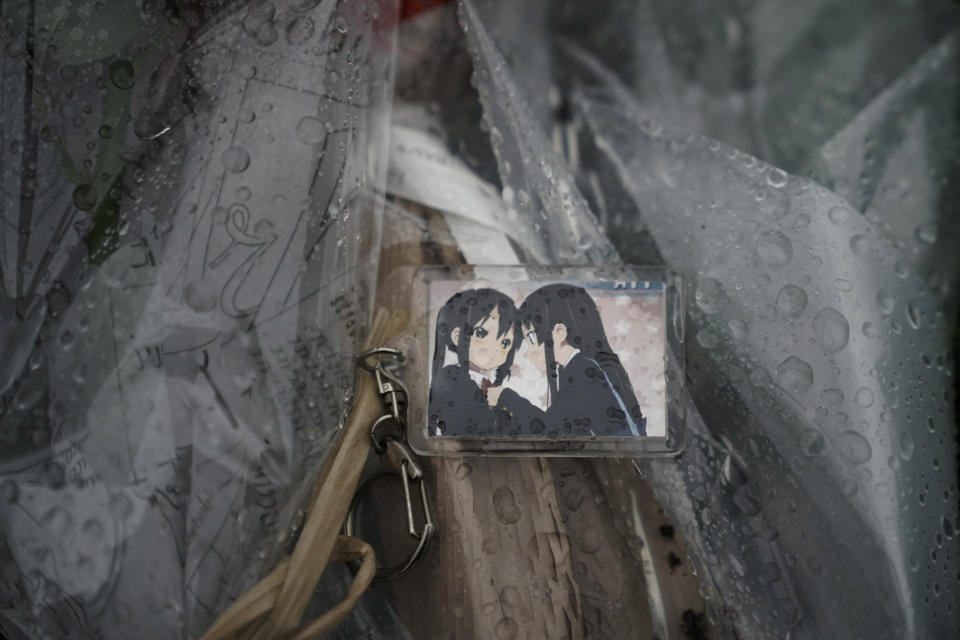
573, 307
464, 311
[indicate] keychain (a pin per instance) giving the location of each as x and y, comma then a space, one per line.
396, 455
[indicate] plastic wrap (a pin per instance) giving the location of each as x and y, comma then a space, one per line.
818, 494
188, 256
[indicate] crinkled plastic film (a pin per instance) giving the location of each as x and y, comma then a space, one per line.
179, 315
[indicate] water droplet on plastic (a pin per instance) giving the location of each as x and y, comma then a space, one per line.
926, 233
870, 330
85, 197
505, 505
906, 446
853, 447
235, 159
791, 300
832, 396
121, 74
67, 339
506, 629
913, 316
864, 398
310, 130
776, 178
707, 339
831, 329
463, 470
795, 374
811, 443
774, 248
885, 302
843, 285
710, 296
860, 244
510, 597
839, 214
299, 30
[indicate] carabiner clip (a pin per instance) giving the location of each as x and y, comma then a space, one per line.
404, 464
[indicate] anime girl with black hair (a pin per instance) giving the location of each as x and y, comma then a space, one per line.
589, 391
481, 327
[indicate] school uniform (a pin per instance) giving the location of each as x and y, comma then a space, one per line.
458, 403
585, 403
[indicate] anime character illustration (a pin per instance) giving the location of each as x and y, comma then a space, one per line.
589, 392
480, 328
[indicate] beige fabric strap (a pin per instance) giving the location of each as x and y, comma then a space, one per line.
273, 608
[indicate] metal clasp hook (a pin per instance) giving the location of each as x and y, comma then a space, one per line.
398, 456
388, 385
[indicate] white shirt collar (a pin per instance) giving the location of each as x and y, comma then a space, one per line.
478, 377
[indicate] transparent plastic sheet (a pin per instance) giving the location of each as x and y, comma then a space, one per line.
188, 251
819, 495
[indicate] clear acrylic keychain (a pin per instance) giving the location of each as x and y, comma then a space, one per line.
562, 361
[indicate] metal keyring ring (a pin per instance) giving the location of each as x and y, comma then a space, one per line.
377, 351
423, 538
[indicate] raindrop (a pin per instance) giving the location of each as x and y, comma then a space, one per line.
853, 447
506, 629
906, 446
795, 374
870, 330
738, 329
505, 505
913, 316
791, 300
774, 248
811, 443
864, 398
926, 233
832, 329
885, 302
707, 338
235, 159
839, 214
710, 296
340, 25
590, 539
105, 131
860, 244
832, 396
776, 178
85, 197
843, 285
67, 339
802, 222
310, 130
510, 597
299, 30
246, 115
463, 470
121, 74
